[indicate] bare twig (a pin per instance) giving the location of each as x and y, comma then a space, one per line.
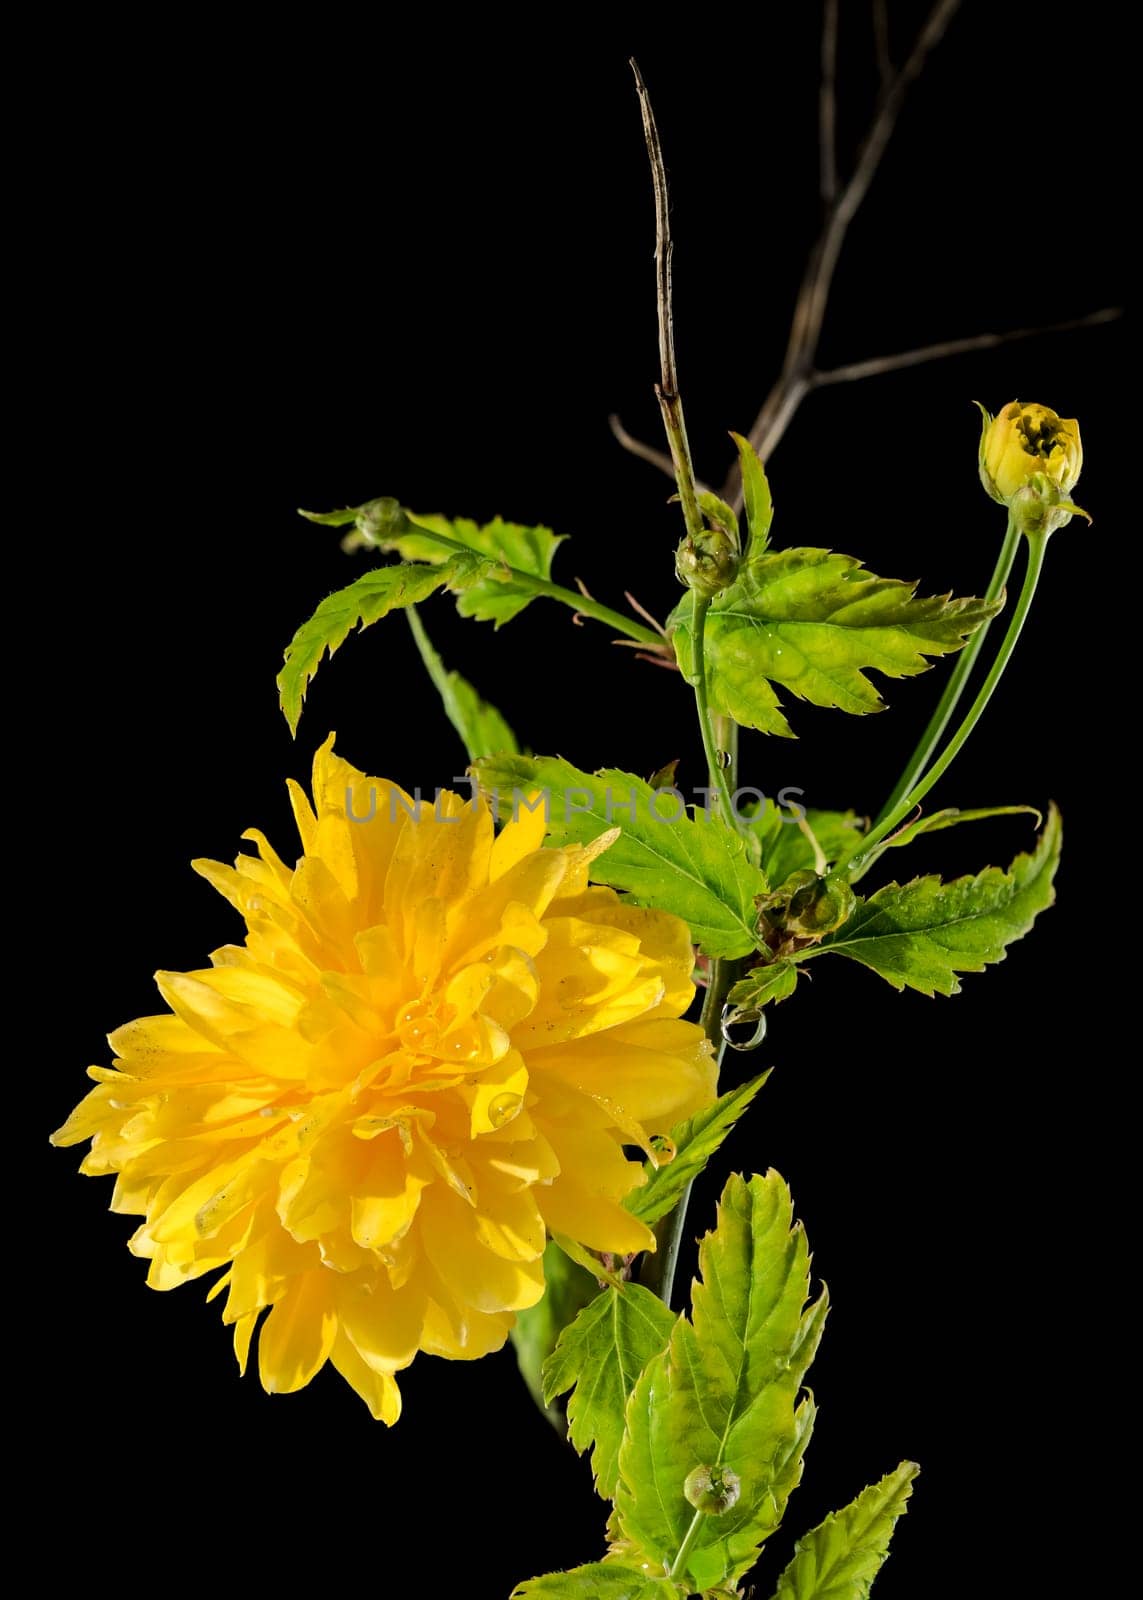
827, 104
670, 401
800, 376
876, 365
881, 42
809, 311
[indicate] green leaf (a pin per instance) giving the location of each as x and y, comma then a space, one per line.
482, 729
695, 867
695, 1142
951, 817
812, 621
760, 987
921, 934
372, 597
785, 847
841, 1557
567, 1289
719, 514
600, 1580
510, 544
602, 1354
756, 497
725, 1393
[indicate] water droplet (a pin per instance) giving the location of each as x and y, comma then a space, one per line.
504, 1109
724, 758
733, 1018
663, 1149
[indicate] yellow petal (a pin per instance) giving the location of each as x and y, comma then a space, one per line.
476, 1276
658, 1071
297, 1337
383, 1324
519, 837
378, 1389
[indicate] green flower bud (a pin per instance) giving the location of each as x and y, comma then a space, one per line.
707, 563
712, 1490
809, 907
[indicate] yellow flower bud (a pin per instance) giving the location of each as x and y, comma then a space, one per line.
1030, 461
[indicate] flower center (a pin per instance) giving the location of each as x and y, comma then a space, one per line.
1039, 436
424, 1034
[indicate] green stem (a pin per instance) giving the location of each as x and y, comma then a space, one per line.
679, 1564
582, 603
590, 608
954, 688
714, 756
657, 1272
865, 852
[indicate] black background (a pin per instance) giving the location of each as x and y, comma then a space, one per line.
320, 262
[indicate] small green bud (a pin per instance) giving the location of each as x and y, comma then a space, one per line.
807, 906
707, 563
712, 1490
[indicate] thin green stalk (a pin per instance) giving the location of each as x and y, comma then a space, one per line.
588, 607
582, 603
658, 1271
679, 1564
954, 688
716, 759
865, 852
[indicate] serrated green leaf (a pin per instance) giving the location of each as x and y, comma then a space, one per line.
813, 622
695, 867
602, 1354
760, 987
372, 597
921, 934
841, 1557
755, 496
695, 1141
599, 1580
785, 847
505, 544
482, 729
951, 817
567, 1289
725, 1393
